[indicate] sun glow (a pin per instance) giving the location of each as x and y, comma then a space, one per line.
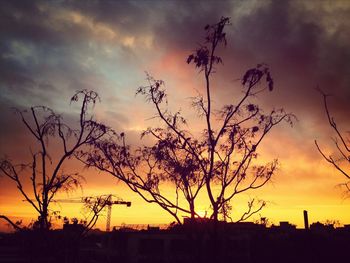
202, 214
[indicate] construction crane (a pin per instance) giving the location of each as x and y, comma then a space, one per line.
108, 201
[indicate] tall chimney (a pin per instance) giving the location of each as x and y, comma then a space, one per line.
306, 220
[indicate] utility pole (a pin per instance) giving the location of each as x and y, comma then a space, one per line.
306, 220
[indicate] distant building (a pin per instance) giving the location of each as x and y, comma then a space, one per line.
195, 241
285, 225
198, 241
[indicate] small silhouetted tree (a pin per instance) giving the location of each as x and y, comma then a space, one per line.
93, 206
16, 225
340, 159
56, 142
223, 160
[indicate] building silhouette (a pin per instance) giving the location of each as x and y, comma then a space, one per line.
199, 240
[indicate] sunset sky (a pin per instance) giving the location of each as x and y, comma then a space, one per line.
50, 49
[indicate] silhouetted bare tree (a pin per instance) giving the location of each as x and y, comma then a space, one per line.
139, 169
341, 157
45, 170
223, 161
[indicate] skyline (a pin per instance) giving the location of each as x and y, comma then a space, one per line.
50, 50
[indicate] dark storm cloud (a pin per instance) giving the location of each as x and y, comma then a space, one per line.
26, 42
40, 44
38, 53
129, 16
21, 19
175, 24
31, 22
38, 62
183, 29
300, 51
303, 46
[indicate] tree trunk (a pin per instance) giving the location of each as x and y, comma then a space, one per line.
43, 219
215, 213
192, 210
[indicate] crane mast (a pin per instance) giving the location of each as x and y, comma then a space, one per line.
109, 202
109, 215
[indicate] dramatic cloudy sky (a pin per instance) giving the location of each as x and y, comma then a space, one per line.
50, 49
